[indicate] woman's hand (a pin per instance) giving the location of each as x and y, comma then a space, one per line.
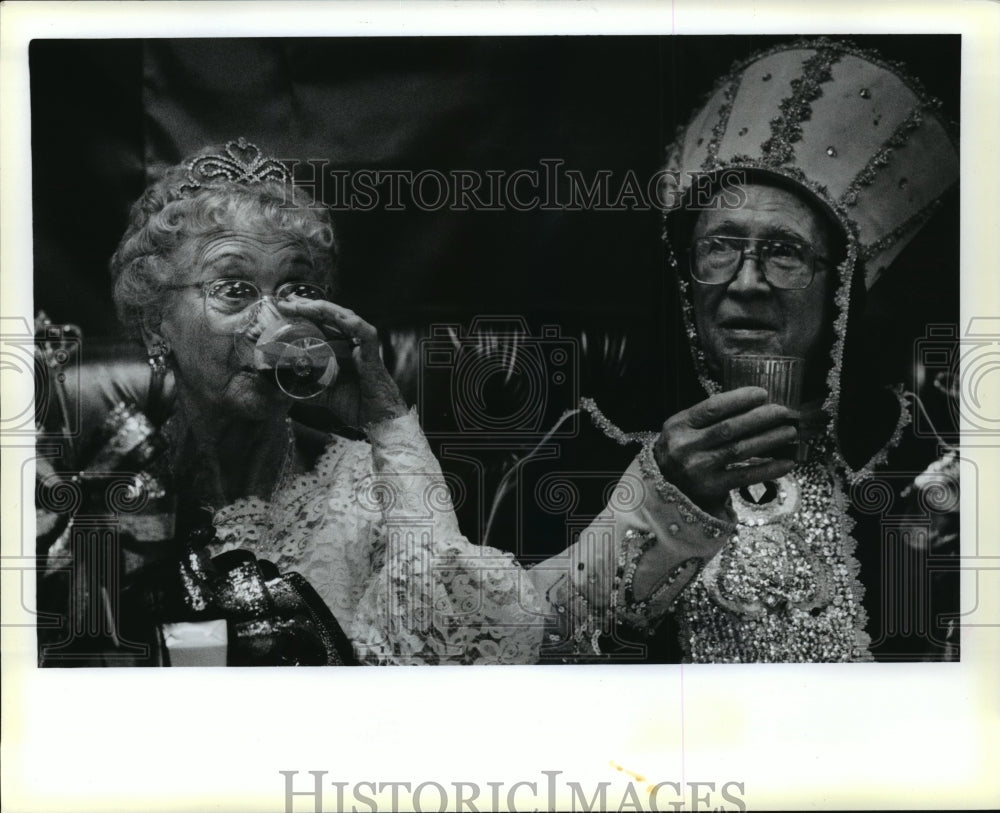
697, 447
364, 392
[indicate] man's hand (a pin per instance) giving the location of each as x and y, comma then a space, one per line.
698, 446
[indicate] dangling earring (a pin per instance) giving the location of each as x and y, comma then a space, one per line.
155, 404
158, 358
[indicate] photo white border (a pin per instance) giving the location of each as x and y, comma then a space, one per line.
798, 737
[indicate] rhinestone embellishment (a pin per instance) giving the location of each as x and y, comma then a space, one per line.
784, 588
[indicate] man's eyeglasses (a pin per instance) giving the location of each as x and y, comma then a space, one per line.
717, 259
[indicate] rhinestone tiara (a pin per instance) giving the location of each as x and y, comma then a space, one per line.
242, 162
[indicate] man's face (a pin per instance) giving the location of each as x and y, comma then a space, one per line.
749, 316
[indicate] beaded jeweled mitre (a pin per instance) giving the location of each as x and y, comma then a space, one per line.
853, 129
240, 162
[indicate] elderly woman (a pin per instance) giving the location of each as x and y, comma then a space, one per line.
217, 248
218, 251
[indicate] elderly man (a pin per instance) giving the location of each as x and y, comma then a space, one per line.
761, 277
797, 183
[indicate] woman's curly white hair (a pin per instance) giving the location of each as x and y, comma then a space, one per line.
167, 216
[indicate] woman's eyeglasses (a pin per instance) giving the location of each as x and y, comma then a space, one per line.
717, 259
227, 299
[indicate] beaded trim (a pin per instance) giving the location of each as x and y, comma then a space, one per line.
690, 513
719, 130
795, 174
708, 383
576, 612
911, 223
686, 570
787, 128
602, 422
855, 476
854, 572
671, 155
646, 614
842, 305
881, 158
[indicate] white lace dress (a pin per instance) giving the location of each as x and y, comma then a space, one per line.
372, 529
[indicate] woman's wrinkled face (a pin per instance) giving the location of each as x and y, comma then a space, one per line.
208, 368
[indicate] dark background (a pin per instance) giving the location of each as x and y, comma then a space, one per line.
106, 113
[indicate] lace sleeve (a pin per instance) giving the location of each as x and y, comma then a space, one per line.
631, 563
434, 597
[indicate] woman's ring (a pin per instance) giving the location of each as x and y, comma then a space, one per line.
355, 341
